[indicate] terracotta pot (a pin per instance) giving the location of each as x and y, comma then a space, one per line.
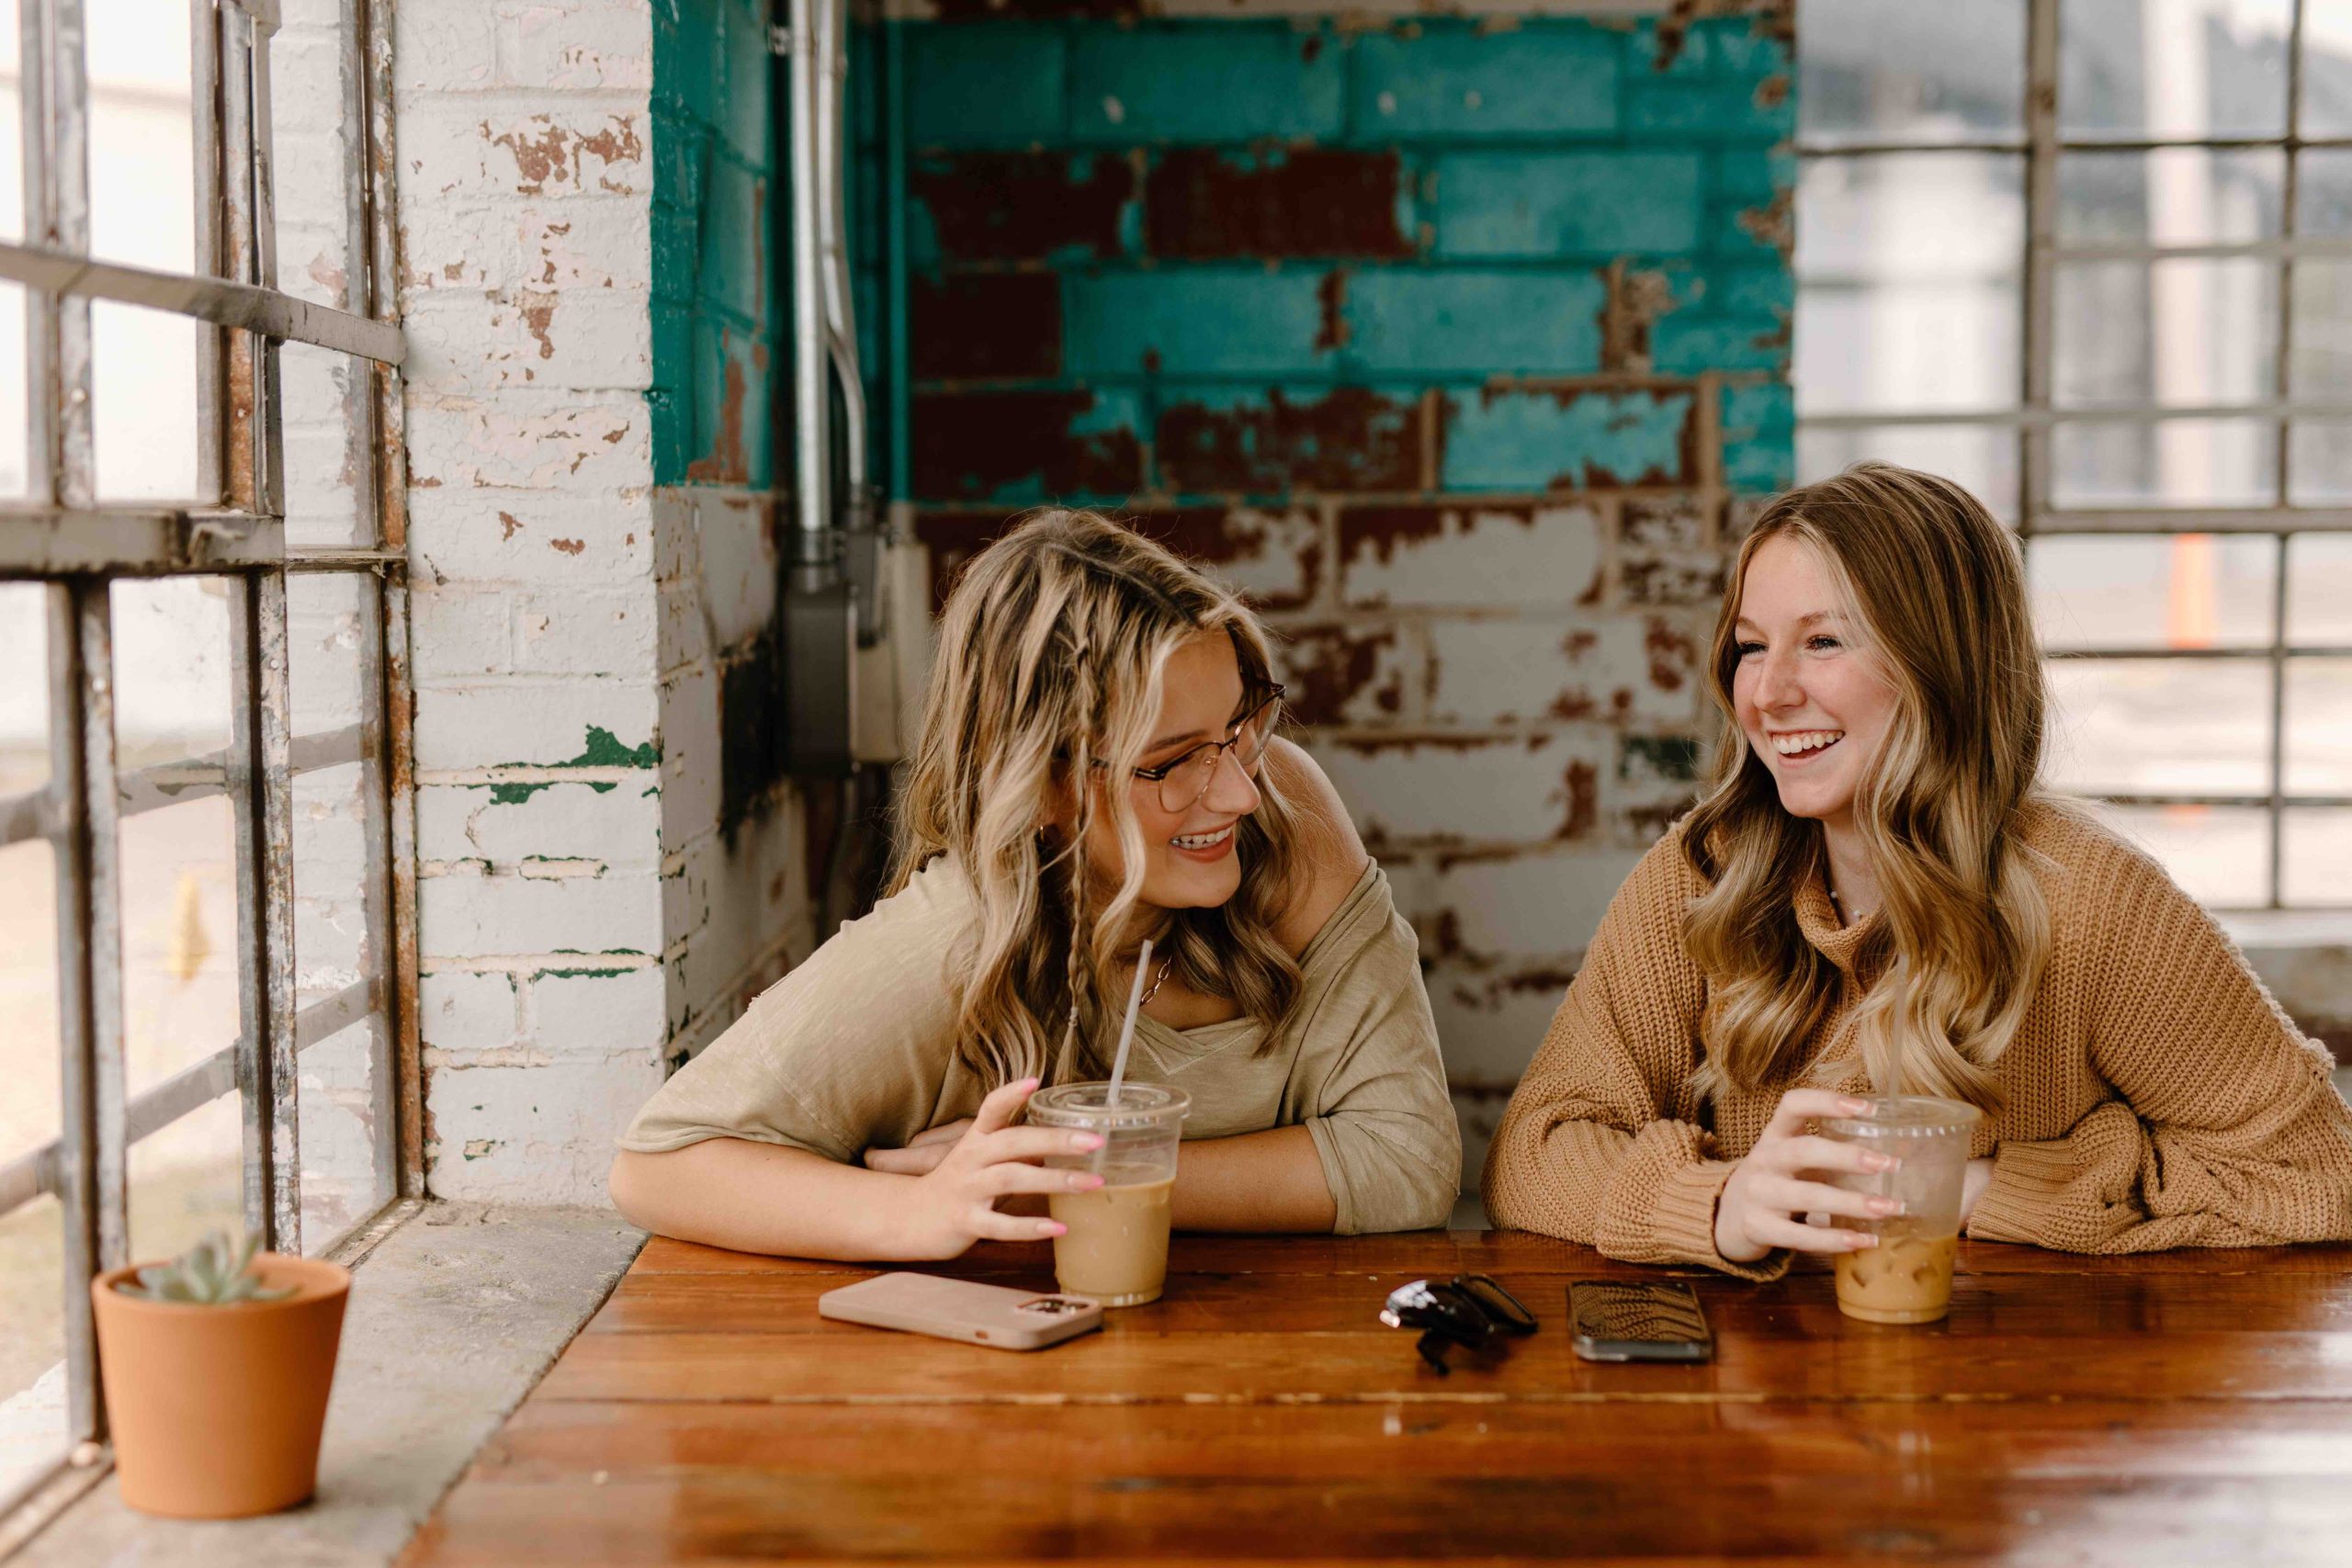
216, 1410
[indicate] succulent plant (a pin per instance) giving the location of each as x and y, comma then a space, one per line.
211, 1273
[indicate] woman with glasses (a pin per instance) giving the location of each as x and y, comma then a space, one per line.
1099, 766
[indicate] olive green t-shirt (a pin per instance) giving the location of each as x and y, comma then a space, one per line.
855, 1050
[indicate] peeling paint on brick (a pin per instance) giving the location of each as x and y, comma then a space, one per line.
728, 462
1774, 223
1204, 203
985, 325
1024, 444
1023, 206
1331, 296
1773, 19
1342, 674
1350, 438
1636, 297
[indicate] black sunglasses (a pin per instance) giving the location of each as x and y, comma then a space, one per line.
1468, 1310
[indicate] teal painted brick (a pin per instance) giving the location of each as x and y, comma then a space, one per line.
1411, 321
1753, 174
1191, 321
1683, 344
1753, 290
1759, 437
999, 85
1539, 440
734, 243
676, 267
688, 71
1718, 47
1540, 80
681, 147
748, 116
1689, 63
1735, 110
1744, 233
1225, 82
672, 431
1546, 204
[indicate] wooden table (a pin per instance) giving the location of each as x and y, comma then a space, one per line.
2191, 1407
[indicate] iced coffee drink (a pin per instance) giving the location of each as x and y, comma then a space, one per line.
1906, 1277
1115, 1250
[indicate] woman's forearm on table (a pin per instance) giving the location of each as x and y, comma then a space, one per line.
1255, 1181
762, 1198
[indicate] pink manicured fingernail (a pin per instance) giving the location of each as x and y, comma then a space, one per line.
1087, 1141
1089, 1183
1053, 1228
1029, 1083
1879, 1162
1851, 1107
1859, 1242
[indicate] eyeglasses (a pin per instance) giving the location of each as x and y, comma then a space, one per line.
1185, 781
1468, 1310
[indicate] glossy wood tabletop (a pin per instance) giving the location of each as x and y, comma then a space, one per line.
2186, 1408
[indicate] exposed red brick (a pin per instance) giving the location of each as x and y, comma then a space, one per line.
986, 324
1584, 800
1204, 203
1674, 655
1037, 10
1671, 578
1327, 669
969, 445
1219, 539
1331, 298
727, 463
1354, 438
1675, 523
1023, 206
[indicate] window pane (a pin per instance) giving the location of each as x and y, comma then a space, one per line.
1907, 273
2220, 855
1983, 459
187, 1179
2173, 462
14, 470
311, 153
2188, 331
2160, 726
23, 687
33, 1425
143, 375
2324, 191
345, 1091
322, 392
2319, 726
29, 1110
2185, 591
2320, 368
12, 132
2327, 70
2173, 68
2316, 859
142, 206
179, 893
2318, 590
1929, 73
2319, 461
2177, 196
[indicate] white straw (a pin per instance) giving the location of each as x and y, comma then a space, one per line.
1127, 1031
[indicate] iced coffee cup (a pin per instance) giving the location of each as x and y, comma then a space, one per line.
1906, 1277
1115, 1249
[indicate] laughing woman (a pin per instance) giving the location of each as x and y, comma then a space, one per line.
1877, 896
1099, 766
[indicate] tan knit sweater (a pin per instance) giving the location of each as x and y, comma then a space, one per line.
2157, 1096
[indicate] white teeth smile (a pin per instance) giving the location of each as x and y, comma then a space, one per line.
1204, 840
1805, 740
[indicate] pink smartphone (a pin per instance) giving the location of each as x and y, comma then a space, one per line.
958, 1309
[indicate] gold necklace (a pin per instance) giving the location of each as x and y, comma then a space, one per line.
1145, 999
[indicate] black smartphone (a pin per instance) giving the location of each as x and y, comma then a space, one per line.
1638, 1320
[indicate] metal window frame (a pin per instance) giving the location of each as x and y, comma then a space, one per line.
66, 537
2036, 413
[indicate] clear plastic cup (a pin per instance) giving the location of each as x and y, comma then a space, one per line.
1906, 1277
1115, 1250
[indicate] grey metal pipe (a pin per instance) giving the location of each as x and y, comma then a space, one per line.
812, 444
841, 333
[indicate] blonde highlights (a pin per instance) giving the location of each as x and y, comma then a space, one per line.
1045, 684
1936, 591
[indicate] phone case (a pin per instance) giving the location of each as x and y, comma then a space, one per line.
1638, 1320
958, 1309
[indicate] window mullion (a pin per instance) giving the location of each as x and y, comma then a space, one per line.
261, 786
91, 1154
55, 99
2040, 235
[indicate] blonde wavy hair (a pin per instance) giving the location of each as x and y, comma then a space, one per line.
1043, 692
1935, 588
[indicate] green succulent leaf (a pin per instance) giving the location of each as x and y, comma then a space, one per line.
214, 1271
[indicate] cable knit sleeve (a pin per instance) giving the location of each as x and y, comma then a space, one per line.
1588, 1150
2228, 1132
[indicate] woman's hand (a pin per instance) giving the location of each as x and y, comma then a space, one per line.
924, 1151
1781, 1180
954, 1204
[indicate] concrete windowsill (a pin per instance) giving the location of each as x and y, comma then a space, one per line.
454, 1317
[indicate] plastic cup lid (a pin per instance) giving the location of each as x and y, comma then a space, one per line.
1088, 1105
1904, 1115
